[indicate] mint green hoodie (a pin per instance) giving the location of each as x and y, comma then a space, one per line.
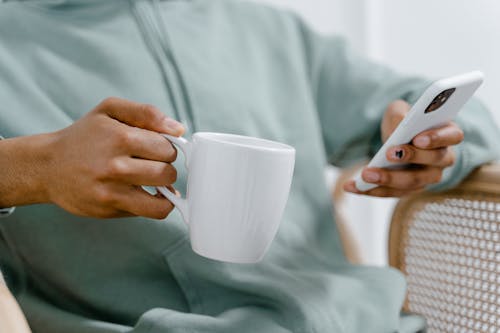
216, 65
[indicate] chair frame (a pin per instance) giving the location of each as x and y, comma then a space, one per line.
484, 181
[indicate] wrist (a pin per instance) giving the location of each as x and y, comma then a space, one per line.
42, 164
25, 162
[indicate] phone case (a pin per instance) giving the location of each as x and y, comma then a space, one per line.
417, 120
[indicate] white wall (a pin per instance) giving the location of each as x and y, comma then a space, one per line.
330, 16
434, 38
440, 38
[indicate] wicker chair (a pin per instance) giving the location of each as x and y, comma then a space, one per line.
448, 246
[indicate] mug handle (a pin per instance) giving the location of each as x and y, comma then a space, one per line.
180, 203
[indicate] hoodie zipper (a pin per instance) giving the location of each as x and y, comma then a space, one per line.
151, 24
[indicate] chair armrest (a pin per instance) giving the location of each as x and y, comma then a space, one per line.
350, 245
448, 245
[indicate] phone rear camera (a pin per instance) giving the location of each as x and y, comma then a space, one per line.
439, 100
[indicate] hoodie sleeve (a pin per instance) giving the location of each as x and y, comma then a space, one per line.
352, 93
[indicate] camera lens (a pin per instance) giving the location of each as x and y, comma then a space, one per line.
439, 100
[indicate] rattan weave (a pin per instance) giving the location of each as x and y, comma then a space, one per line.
448, 245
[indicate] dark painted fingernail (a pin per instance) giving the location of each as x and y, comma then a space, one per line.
372, 176
399, 153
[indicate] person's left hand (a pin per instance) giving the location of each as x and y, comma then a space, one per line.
428, 154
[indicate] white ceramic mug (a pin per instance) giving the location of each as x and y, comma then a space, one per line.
237, 189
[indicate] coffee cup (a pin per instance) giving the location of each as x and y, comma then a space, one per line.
237, 189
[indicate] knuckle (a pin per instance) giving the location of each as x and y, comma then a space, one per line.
108, 102
105, 197
147, 108
116, 168
126, 138
150, 111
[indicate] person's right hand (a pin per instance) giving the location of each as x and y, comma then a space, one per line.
98, 163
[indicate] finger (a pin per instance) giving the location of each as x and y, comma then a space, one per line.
109, 213
444, 136
440, 157
403, 179
387, 192
102, 212
395, 113
381, 191
145, 144
141, 203
136, 171
140, 115
350, 186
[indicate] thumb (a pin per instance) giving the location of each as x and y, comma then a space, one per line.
394, 114
140, 115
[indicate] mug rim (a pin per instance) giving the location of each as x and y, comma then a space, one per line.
270, 145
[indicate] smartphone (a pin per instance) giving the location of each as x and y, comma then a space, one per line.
438, 105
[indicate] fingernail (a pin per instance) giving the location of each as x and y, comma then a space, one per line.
397, 153
173, 124
349, 187
422, 141
372, 176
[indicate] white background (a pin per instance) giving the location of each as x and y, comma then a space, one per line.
434, 38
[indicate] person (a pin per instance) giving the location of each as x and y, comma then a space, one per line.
11, 317
87, 250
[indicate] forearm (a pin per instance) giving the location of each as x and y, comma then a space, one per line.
23, 161
11, 316
352, 94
